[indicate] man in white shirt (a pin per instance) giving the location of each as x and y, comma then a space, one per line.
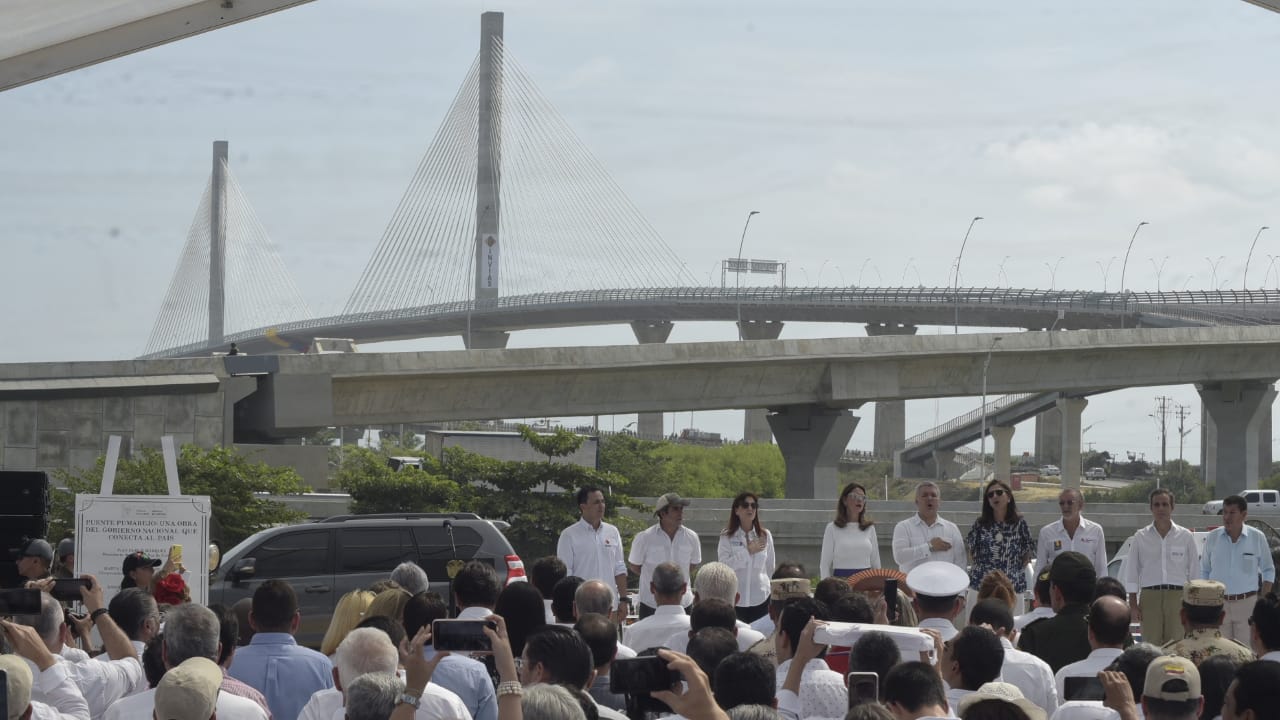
63, 700
925, 537
939, 589
190, 630
668, 587
101, 683
1072, 531
1027, 672
1162, 559
594, 597
970, 660
1265, 628
822, 692
558, 655
592, 548
1108, 631
1132, 663
1044, 601
368, 650
668, 540
717, 581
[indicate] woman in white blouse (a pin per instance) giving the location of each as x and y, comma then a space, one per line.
747, 547
849, 544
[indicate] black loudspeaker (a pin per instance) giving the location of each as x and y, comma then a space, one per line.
24, 515
24, 492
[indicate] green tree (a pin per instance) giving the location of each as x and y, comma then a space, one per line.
235, 484
376, 488
560, 443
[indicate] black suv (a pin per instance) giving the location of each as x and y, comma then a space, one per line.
325, 560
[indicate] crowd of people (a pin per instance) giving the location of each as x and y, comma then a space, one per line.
747, 636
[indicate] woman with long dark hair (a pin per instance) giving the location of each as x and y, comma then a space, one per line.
1000, 540
849, 543
747, 547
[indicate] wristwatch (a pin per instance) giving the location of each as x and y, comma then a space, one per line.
411, 700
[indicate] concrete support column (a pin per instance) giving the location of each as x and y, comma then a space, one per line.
812, 438
486, 340
891, 415
1071, 409
1003, 438
488, 256
943, 461
218, 244
755, 421
1049, 437
1239, 411
651, 426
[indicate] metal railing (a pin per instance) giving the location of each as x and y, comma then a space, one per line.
992, 407
1223, 307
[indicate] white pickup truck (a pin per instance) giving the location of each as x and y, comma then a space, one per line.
1257, 500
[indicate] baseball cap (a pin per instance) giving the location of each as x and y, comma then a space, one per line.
38, 548
1071, 566
66, 546
136, 560
19, 685
787, 588
1170, 677
669, 500
189, 691
1204, 593
1001, 692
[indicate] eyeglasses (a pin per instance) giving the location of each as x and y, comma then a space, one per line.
748, 505
998, 492
856, 497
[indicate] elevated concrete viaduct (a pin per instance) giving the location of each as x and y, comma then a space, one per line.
808, 386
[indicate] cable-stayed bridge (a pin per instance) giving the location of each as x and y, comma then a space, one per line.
510, 223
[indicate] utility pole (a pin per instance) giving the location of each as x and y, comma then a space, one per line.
1163, 406
1183, 412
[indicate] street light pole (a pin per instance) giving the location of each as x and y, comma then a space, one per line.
957, 280
1124, 267
1244, 284
982, 438
738, 275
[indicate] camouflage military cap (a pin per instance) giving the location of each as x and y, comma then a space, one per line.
1204, 593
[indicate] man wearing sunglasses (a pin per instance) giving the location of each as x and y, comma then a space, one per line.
1073, 531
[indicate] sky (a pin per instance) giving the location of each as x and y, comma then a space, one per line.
866, 134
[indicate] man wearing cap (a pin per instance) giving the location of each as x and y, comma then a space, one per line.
780, 591
1073, 531
1239, 557
1172, 690
1162, 558
36, 558
1064, 638
66, 559
926, 537
592, 548
787, 570
1004, 693
1202, 614
189, 691
668, 540
1043, 601
939, 589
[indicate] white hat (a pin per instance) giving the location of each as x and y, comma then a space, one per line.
937, 579
189, 691
19, 683
1002, 692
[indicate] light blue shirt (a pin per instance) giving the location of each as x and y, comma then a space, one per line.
283, 671
1237, 564
469, 680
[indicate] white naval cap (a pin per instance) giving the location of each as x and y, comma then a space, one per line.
937, 579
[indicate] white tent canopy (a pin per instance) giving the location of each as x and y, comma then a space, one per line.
43, 38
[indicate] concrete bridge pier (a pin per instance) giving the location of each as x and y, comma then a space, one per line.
485, 340
1003, 437
755, 422
891, 415
1236, 435
944, 462
1049, 437
812, 438
651, 425
1071, 410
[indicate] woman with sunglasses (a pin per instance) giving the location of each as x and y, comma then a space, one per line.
747, 547
999, 540
849, 543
